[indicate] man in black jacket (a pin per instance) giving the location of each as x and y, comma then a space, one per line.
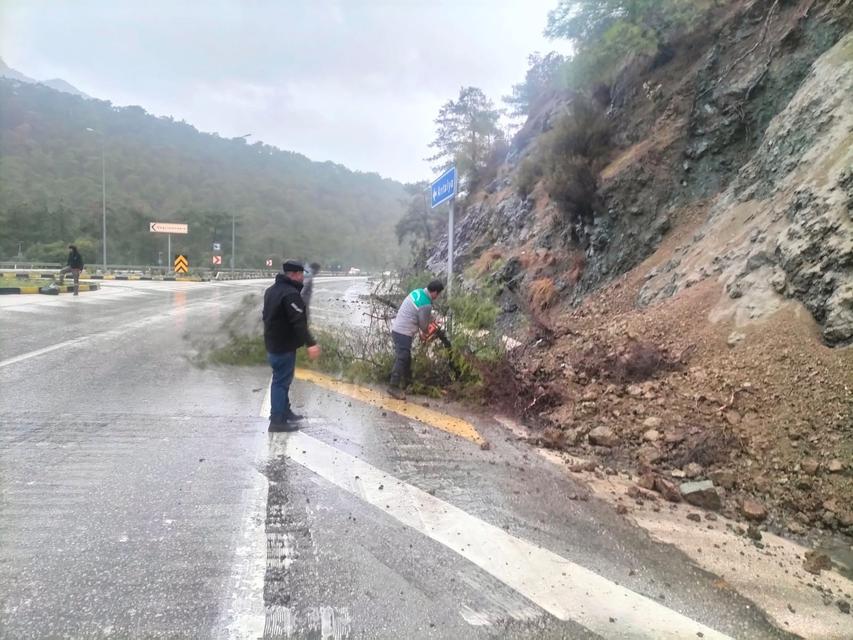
74, 266
285, 330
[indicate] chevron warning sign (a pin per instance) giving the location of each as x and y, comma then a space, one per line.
182, 265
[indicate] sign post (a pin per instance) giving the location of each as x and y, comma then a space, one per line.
168, 228
442, 190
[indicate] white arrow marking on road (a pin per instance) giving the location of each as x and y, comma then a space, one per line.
564, 589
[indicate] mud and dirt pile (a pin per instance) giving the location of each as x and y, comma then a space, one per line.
700, 328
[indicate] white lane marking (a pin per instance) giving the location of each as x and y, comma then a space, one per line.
42, 351
279, 623
334, 623
474, 618
497, 605
564, 589
111, 333
245, 616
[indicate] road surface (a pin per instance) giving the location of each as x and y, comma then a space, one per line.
141, 497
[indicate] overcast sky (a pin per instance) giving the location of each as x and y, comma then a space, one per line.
354, 81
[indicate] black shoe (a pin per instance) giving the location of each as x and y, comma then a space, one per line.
282, 426
292, 417
399, 394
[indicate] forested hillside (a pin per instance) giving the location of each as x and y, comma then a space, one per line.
160, 169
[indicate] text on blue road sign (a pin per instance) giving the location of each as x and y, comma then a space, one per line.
444, 187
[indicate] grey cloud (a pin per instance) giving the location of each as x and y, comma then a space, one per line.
356, 82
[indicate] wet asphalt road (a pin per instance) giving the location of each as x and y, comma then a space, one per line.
141, 497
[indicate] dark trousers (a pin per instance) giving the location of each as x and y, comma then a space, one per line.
401, 374
75, 273
283, 367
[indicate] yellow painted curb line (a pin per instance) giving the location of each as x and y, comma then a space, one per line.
450, 424
29, 289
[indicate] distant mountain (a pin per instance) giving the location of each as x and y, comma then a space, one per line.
8, 72
158, 169
60, 85
54, 83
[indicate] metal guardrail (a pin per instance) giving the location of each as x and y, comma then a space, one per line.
141, 270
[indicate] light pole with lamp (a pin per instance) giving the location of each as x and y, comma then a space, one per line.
234, 225
103, 196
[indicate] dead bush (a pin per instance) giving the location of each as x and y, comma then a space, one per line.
486, 262
542, 293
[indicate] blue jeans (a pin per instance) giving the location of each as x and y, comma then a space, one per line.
283, 366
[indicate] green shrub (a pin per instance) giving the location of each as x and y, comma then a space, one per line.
573, 186
583, 131
527, 175
241, 350
608, 33
474, 310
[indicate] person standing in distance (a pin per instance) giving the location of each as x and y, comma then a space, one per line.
308, 284
414, 315
74, 266
285, 330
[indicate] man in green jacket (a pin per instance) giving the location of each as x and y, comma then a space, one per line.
414, 315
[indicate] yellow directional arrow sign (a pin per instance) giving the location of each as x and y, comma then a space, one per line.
182, 265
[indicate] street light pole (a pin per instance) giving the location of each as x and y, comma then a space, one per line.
245, 136
103, 195
233, 242
104, 200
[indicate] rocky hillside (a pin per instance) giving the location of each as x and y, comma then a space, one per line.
700, 325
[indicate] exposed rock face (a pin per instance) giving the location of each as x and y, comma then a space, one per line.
783, 228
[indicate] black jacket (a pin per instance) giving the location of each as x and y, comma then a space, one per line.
285, 320
75, 260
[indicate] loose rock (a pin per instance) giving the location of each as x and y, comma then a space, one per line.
652, 435
816, 562
667, 489
810, 466
647, 481
724, 478
583, 465
701, 494
693, 470
603, 437
753, 510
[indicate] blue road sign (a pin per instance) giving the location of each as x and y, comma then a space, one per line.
444, 188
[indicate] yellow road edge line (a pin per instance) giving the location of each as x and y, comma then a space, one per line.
442, 421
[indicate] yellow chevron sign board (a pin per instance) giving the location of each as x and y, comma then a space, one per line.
182, 265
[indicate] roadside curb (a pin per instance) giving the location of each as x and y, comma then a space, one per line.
66, 288
46, 275
154, 278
